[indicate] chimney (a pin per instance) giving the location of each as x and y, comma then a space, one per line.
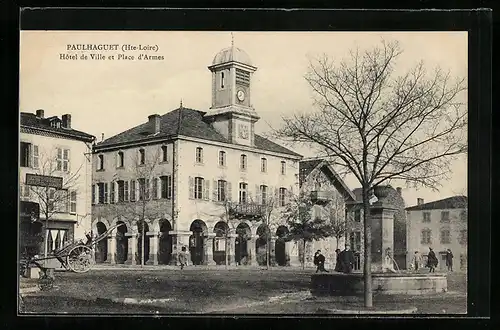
420, 201
154, 121
39, 113
66, 121
399, 190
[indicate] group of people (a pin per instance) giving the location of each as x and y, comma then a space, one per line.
345, 260
432, 260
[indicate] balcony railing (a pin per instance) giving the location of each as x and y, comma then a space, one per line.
246, 210
319, 196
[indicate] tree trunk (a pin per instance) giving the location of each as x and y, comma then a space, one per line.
367, 273
303, 254
227, 250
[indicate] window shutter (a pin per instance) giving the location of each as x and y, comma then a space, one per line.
191, 187
147, 189
206, 192
132, 191
215, 188
258, 196
35, 156
93, 194
229, 193
286, 196
106, 193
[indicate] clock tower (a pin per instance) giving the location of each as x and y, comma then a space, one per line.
232, 113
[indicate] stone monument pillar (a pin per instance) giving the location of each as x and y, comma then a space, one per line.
132, 249
231, 248
272, 251
153, 248
252, 251
382, 228
111, 258
208, 249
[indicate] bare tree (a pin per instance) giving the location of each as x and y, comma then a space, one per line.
268, 204
144, 204
51, 200
381, 125
337, 217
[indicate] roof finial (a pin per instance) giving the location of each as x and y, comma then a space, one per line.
232, 39
181, 102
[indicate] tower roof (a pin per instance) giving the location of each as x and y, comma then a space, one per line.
232, 54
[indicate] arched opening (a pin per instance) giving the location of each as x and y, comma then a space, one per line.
101, 249
165, 245
221, 231
121, 244
241, 250
261, 244
196, 241
280, 252
140, 230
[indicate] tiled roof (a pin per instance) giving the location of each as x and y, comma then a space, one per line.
187, 122
30, 123
454, 202
306, 166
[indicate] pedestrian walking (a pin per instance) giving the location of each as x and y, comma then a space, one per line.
319, 260
346, 260
338, 267
417, 261
449, 260
432, 260
183, 257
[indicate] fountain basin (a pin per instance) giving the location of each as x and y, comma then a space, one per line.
340, 284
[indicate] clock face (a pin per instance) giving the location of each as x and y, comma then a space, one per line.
240, 95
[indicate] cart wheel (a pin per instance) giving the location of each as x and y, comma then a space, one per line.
80, 259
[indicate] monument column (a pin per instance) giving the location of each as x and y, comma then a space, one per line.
382, 228
153, 247
111, 257
292, 251
231, 248
272, 251
208, 248
251, 251
132, 249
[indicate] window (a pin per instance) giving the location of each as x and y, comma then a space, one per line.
445, 216
243, 162
222, 158
463, 215
243, 192
222, 80
100, 164
72, 202
199, 155
263, 165
25, 154
221, 190
263, 194
155, 188
100, 187
132, 191
62, 160
125, 191
35, 156
283, 167
357, 215
51, 199
282, 197
120, 162
106, 192
198, 187
445, 236
164, 154
112, 192
121, 190
426, 236
166, 186
426, 217
142, 189
462, 239
142, 156
355, 240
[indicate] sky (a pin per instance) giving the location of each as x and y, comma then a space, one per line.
110, 96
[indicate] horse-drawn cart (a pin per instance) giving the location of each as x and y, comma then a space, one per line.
75, 256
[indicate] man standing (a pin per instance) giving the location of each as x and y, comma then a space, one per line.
319, 258
347, 260
432, 260
449, 260
417, 260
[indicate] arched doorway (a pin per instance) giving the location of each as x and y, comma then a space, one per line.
280, 251
140, 230
261, 244
121, 244
221, 230
101, 251
241, 250
196, 241
165, 245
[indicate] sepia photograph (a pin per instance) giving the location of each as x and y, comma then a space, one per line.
243, 172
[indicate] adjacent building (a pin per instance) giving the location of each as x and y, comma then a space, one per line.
53, 151
442, 225
199, 179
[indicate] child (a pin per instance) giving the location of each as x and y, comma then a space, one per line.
183, 257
